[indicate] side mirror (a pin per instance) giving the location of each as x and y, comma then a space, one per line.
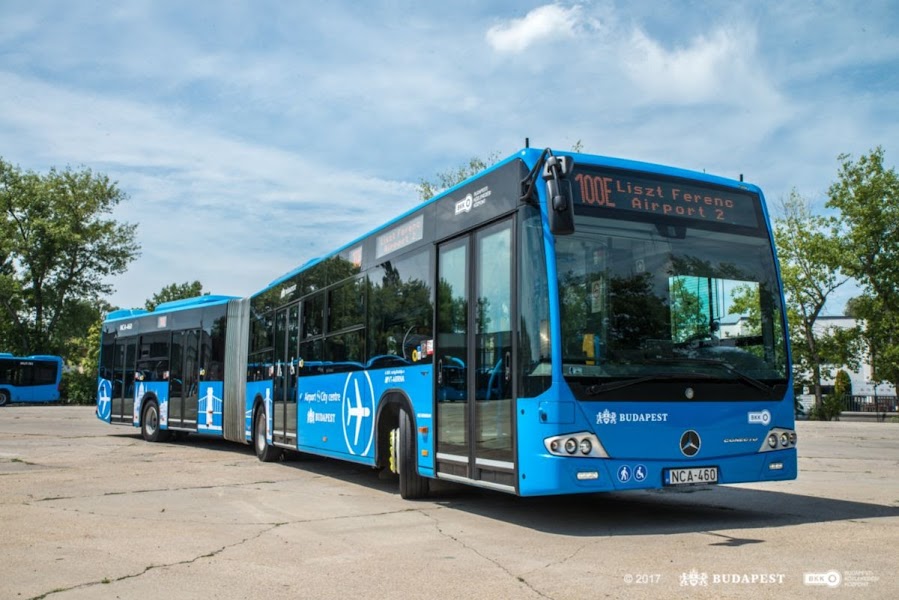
558, 192
557, 166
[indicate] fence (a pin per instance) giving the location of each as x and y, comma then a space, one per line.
872, 404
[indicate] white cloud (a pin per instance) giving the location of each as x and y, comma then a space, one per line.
544, 22
717, 68
231, 127
228, 212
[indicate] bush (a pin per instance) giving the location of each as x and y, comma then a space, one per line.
829, 410
78, 388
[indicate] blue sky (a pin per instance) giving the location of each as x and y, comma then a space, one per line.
252, 136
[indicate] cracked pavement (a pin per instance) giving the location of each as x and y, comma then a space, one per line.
91, 511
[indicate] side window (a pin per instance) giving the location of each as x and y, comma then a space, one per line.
44, 373
311, 330
401, 311
259, 361
313, 317
346, 305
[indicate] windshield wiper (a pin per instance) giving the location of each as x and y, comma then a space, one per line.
601, 388
748, 379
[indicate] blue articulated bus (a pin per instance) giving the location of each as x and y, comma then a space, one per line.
29, 378
560, 323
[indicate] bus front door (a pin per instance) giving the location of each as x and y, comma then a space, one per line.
123, 381
475, 426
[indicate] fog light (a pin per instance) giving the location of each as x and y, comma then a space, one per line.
570, 445
776, 466
585, 446
587, 475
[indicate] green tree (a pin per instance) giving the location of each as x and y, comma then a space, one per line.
58, 247
810, 255
878, 337
866, 194
446, 179
175, 291
79, 384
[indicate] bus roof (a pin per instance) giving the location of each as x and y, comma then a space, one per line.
174, 305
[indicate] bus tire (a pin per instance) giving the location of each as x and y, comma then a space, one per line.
149, 423
264, 452
4, 397
412, 485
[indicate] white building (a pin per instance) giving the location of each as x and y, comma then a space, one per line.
862, 383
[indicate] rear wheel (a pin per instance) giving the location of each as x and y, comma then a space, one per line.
412, 485
4, 397
264, 452
149, 423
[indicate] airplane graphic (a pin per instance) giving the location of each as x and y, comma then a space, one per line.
104, 406
357, 411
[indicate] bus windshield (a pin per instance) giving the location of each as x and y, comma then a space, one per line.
643, 302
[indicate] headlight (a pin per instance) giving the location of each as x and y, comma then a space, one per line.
583, 444
779, 438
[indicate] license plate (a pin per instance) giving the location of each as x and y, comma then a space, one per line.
691, 476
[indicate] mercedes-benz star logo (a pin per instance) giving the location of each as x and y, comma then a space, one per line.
690, 443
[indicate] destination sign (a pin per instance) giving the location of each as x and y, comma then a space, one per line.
629, 193
399, 236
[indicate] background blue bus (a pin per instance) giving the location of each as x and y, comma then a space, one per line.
560, 323
29, 378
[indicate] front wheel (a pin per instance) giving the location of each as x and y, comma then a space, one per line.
4, 397
412, 485
264, 452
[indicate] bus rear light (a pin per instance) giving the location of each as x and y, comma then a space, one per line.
569, 445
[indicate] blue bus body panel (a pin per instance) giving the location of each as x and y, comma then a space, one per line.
337, 412
263, 391
644, 439
160, 389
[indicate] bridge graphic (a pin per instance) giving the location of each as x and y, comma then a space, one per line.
210, 408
